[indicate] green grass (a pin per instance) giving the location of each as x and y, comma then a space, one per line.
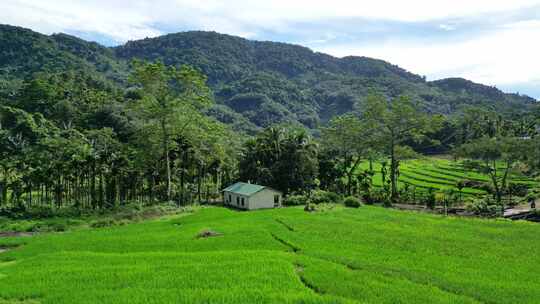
440, 174
365, 255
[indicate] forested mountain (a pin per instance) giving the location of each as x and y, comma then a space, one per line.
255, 83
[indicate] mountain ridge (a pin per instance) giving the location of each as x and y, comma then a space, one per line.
256, 83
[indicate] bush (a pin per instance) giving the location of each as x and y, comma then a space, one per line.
351, 202
108, 222
50, 227
309, 207
375, 196
295, 200
472, 164
516, 189
320, 197
430, 200
486, 206
323, 207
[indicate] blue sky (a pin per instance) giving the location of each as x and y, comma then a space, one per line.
495, 42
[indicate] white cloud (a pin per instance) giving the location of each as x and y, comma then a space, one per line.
447, 27
124, 20
500, 58
92, 16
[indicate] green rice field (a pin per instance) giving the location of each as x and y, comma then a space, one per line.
440, 174
364, 255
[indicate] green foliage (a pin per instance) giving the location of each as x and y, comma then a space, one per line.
430, 199
285, 159
517, 189
51, 219
346, 142
321, 197
71, 139
485, 206
315, 197
171, 104
296, 200
392, 123
491, 151
352, 202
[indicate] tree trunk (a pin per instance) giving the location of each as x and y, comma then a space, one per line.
93, 200
3, 191
101, 195
183, 176
167, 160
350, 174
393, 169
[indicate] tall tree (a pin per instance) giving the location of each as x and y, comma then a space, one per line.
285, 159
394, 122
172, 100
497, 156
345, 138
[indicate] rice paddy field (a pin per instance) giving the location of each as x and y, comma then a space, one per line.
441, 174
364, 255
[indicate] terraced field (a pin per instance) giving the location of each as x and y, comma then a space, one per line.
365, 255
440, 174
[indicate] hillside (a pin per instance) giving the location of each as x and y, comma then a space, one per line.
365, 255
255, 83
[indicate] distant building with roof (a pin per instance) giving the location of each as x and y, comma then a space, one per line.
250, 196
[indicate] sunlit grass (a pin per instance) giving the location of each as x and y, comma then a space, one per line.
366, 255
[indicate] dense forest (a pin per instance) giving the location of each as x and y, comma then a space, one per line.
177, 118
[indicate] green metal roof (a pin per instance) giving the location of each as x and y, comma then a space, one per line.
244, 189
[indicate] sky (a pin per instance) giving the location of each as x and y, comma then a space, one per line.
494, 42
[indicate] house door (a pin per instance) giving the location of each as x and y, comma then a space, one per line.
276, 201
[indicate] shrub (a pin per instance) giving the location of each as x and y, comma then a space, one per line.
486, 206
430, 200
375, 196
103, 223
309, 207
323, 207
320, 196
517, 189
472, 164
54, 226
406, 195
351, 202
295, 200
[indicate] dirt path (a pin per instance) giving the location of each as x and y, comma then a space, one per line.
525, 208
5, 234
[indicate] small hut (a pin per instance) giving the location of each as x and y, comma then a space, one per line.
250, 196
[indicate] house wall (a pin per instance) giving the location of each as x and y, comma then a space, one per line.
235, 200
263, 199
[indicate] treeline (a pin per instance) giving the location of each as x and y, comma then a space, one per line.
72, 139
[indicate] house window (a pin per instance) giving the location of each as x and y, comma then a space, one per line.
230, 199
276, 200
237, 201
242, 201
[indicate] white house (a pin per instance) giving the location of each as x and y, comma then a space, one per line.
251, 196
